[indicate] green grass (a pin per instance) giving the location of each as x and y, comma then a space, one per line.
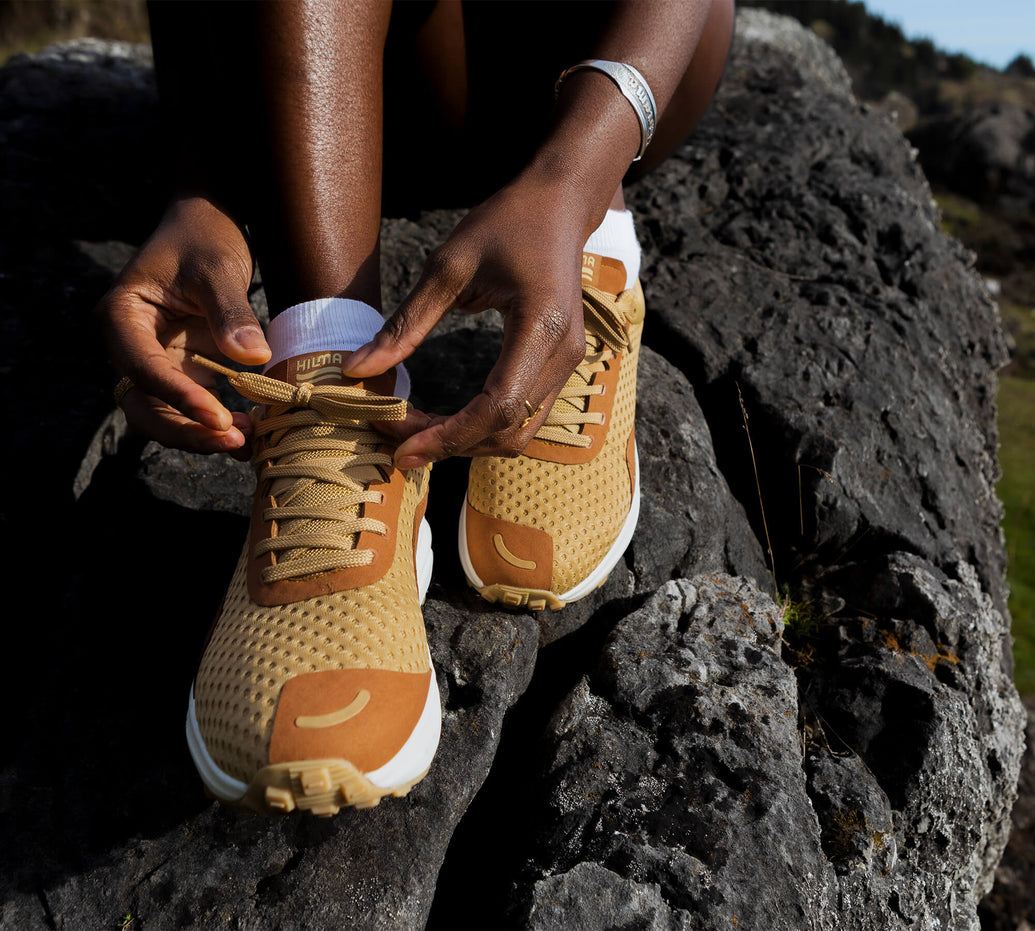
1017, 491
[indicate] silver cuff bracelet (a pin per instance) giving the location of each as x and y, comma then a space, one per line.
633, 87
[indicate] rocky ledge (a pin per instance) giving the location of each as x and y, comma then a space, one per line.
789, 707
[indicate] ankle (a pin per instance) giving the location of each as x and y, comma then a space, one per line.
615, 238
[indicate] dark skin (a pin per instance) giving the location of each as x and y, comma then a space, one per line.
278, 124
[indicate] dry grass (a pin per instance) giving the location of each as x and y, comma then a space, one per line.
29, 25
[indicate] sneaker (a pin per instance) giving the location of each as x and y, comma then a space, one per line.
316, 688
547, 527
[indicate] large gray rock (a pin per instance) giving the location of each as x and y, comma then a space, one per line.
801, 267
688, 769
988, 154
798, 285
678, 763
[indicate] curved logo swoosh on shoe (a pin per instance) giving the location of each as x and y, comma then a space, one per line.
340, 716
515, 561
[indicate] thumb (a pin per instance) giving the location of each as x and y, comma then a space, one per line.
233, 323
415, 317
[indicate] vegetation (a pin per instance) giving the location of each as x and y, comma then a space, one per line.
1017, 491
29, 25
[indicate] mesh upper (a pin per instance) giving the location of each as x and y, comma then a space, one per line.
581, 506
254, 650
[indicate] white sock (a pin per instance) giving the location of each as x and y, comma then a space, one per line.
327, 325
615, 238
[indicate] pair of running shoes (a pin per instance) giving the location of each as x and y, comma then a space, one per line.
316, 690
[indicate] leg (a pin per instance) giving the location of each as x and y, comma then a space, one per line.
316, 689
277, 110
316, 221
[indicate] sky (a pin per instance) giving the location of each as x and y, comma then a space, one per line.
990, 31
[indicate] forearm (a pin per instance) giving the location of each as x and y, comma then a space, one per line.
595, 134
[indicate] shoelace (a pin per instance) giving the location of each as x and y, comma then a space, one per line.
321, 456
606, 334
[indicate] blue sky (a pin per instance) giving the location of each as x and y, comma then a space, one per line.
991, 31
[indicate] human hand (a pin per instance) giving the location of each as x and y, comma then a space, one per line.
519, 252
186, 291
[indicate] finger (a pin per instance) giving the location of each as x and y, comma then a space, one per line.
244, 424
440, 284
153, 418
233, 324
132, 341
426, 444
540, 351
399, 430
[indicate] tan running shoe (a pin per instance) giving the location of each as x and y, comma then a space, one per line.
548, 527
316, 689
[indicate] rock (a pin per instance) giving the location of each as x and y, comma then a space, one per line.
901, 109
800, 48
81, 114
679, 763
677, 767
987, 154
796, 284
602, 899
1011, 903
798, 279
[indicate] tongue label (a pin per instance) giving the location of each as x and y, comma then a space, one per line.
325, 368
317, 368
603, 272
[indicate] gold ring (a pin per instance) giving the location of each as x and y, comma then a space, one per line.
532, 414
121, 389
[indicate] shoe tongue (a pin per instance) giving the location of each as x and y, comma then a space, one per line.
599, 271
325, 368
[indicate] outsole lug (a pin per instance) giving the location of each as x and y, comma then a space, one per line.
532, 598
320, 787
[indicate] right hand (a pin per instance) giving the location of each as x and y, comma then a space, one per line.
186, 291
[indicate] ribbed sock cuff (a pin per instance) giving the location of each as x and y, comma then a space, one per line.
326, 325
615, 238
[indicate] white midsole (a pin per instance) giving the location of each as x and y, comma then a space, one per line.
602, 570
413, 758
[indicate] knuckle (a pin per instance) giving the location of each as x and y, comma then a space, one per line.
443, 265
505, 409
107, 310
393, 332
214, 267
573, 348
552, 325
450, 447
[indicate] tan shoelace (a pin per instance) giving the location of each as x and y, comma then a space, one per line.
606, 335
320, 458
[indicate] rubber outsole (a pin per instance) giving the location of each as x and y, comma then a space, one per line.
324, 787
537, 599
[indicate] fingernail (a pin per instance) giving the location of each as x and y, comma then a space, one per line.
412, 462
232, 439
251, 339
220, 420
357, 357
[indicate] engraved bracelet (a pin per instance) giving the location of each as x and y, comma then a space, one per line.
633, 87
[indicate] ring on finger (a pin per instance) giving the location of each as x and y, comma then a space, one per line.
121, 389
532, 414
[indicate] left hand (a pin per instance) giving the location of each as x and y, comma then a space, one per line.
521, 253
